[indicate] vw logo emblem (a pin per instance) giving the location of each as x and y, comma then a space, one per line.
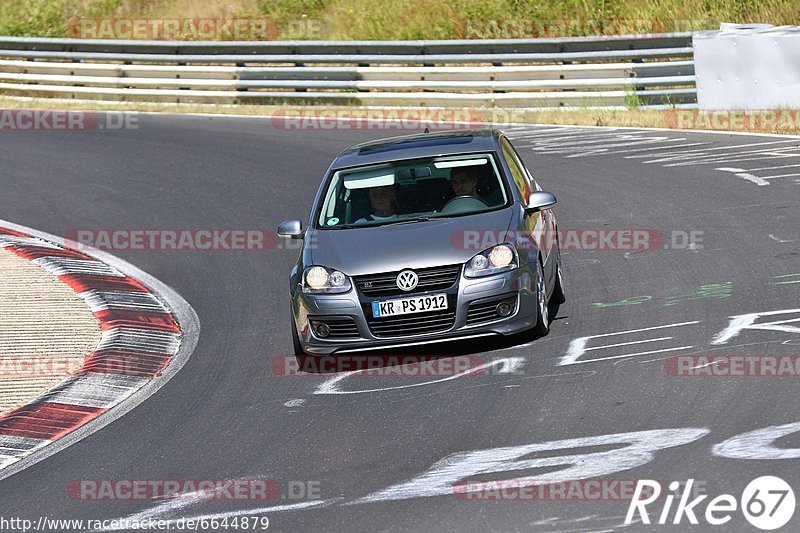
407, 280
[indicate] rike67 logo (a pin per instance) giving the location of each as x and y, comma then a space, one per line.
767, 503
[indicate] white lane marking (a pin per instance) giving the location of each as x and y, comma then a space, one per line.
758, 156
145, 340
740, 323
263, 510
781, 176
676, 349
94, 389
557, 143
773, 168
558, 521
578, 133
732, 159
99, 300
654, 144
651, 148
507, 365
59, 266
525, 134
759, 444
740, 173
625, 344
583, 142
294, 403
163, 508
774, 238
13, 240
703, 152
705, 365
443, 477
603, 148
737, 157
13, 449
598, 145
578, 346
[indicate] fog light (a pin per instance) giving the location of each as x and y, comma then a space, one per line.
323, 330
503, 309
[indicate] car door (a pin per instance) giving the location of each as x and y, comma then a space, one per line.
541, 224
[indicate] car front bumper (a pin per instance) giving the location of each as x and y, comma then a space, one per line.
514, 285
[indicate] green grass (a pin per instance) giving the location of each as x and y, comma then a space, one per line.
411, 19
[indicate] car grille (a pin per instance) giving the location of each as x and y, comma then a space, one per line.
484, 310
418, 324
341, 327
413, 324
430, 279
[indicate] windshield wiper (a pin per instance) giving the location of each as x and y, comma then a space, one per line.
411, 221
395, 222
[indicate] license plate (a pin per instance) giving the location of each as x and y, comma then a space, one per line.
406, 306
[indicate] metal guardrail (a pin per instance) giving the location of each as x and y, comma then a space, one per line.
566, 72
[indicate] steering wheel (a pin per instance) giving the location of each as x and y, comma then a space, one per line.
465, 203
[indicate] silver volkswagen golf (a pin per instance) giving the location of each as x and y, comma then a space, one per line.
420, 239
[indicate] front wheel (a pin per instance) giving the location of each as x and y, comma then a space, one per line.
542, 326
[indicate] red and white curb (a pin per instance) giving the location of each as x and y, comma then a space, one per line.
148, 332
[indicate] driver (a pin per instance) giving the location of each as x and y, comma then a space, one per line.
464, 181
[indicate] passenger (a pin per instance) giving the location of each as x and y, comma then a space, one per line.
383, 205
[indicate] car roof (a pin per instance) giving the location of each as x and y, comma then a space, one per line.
419, 145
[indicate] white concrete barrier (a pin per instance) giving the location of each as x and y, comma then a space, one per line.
748, 67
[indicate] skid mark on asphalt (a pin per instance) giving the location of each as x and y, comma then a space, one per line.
557, 521
559, 377
668, 149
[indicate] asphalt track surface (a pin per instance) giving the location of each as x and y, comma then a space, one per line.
224, 415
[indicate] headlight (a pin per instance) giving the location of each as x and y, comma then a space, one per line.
500, 258
317, 279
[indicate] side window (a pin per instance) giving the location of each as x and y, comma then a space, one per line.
532, 182
518, 173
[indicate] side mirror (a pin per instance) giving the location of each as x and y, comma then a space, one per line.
540, 200
291, 228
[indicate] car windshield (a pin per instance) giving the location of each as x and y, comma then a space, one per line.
412, 191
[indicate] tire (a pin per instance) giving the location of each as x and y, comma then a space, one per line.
542, 326
298, 348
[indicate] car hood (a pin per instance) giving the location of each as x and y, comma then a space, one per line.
436, 242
